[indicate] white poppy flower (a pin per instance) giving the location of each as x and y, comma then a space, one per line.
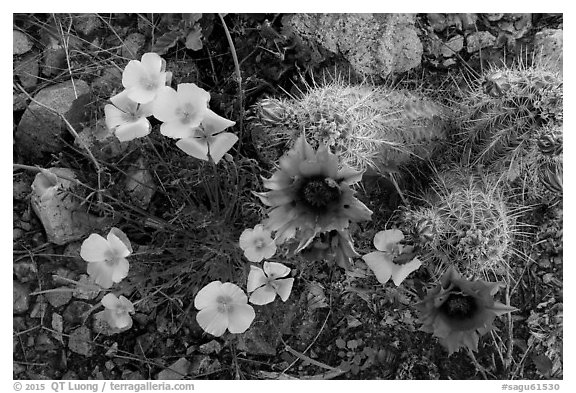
223, 306
266, 283
107, 263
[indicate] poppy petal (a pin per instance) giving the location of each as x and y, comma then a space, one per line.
220, 144
212, 321
95, 249
402, 271
152, 62
123, 238
263, 295
120, 270
234, 292
276, 270
165, 104
381, 264
133, 73
129, 131
256, 278
110, 301
385, 240
194, 147
114, 117
102, 273
206, 297
177, 130
254, 254
123, 102
284, 288
213, 123
118, 246
240, 317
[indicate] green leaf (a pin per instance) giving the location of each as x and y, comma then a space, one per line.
166, 41
194, 38
543, 364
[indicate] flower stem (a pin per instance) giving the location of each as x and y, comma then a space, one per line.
238, 79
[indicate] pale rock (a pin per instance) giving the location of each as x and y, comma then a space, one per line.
132, 45
27, 70
40, 129
178, 370
80, 341
60, 214
21, 43
453, 46
20, 298
374, 44
548, 45
479, 40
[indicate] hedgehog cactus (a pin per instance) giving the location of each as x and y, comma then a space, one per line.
367, 126
504, 114
466, 224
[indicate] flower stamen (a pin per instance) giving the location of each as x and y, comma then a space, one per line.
319, 192
459, 306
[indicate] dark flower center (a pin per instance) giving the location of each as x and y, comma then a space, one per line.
319, 192
459, 306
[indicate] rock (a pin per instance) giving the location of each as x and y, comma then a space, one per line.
21, 43
210, 347
54, 60
57, 299
176, 371
75, 313
39, 309
479, 40
40, 129
27, 70
17, 234
19, 101
203, 364
20, 298
58, 326
453, 46
61, 215
140, 184
17, 368
548, 45
437, 21
86, 24
374, 44
20, 189
493, 17
128, 375
132, 45
86, 289
80, 341
43, 343
25, 270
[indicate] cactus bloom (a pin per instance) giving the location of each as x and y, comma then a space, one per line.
458, 311
310, 195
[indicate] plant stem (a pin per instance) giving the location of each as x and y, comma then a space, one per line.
238, 79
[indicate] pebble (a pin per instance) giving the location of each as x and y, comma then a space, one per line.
80, 341
57, 299
210, 347
20, 43
20, 298
177, 370
453, 46
74, 313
